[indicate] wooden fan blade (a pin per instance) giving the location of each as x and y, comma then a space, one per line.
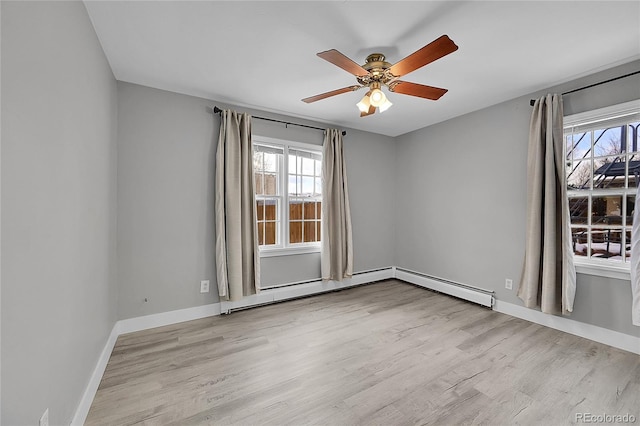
419, 90
372, 110
338, 59
438, 48
331, 93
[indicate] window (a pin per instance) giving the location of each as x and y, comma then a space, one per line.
288, 195
602, 151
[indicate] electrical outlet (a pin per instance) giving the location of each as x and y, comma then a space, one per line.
204, 286
508, 284
44, 420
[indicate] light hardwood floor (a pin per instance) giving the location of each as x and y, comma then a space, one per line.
386, 353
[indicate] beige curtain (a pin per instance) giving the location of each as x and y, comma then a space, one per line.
237, 259
337, 244
634, 262
549, 276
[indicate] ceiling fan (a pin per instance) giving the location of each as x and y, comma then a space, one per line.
376, 72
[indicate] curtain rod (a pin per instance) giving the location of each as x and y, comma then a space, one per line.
533, 101
217, 110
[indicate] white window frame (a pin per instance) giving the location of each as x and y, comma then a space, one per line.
284, 248
628, 109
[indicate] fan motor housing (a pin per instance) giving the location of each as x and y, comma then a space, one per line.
377, 67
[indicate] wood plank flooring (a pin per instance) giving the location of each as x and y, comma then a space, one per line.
387, 353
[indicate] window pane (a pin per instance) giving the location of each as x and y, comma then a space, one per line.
295, 185
579, 177
634, 170
318, 230
634, 137
580, 237
307, 186
270, 162
270, 232
579, 210
606, 210
608, 141
270, 210
295, 232
270, 182
579, 146
260, 233
260, 209
308, 166
631, 205
627, 254
310, 210
259, 183
258, 158
609, 172
295, 210
310, 231
267, 212
292, 184
318, 188
606, 243
294, 164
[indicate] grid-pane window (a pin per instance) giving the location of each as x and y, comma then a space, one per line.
288, 194
602, 169
267, 168
305, 196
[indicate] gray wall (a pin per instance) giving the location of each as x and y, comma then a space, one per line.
461, 199
166, 152
58, 208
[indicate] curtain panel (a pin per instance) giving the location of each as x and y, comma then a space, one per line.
237, 257
337, 244
635, 262
549, 275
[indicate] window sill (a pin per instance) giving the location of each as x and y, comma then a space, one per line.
608, 271
289, 251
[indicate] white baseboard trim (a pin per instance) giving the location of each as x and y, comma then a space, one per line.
92, 387
592, 332
167, 318
479, 296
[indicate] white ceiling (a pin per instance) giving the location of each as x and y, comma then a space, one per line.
263, 54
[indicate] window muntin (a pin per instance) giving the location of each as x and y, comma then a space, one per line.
288, 194
602, 170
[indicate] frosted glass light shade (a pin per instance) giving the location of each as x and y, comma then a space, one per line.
377, 97
385, 106
364, 103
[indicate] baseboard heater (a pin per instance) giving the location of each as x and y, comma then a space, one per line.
305, 288
452, 288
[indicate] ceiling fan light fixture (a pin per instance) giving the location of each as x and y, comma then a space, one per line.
364, 103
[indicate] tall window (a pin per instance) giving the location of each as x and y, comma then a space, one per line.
603, 170
288, 194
